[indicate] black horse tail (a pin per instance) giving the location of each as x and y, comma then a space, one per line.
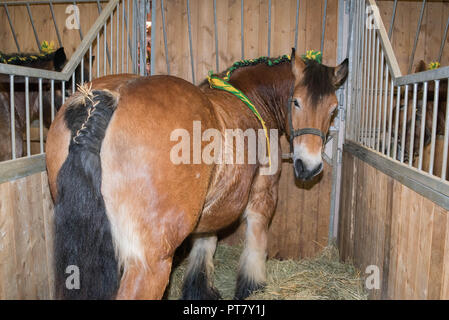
86, 266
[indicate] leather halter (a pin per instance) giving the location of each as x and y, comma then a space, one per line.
299, 132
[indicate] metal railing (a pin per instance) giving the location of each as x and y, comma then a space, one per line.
395, 116
111, 45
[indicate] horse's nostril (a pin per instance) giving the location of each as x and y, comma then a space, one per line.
299, 166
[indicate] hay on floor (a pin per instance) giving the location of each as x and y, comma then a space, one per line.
321, 278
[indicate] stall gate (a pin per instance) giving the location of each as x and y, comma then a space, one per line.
395, 195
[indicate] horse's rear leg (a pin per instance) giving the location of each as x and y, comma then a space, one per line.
145, 282
198, 283
258, 213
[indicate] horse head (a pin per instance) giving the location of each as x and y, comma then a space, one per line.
310, 111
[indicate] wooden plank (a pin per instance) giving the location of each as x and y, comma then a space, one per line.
47, 209
424, 249
422, 183
437, 254
8, 263
19, 168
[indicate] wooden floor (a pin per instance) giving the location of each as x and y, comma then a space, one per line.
385, 224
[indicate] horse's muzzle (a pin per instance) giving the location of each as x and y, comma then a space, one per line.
301, 172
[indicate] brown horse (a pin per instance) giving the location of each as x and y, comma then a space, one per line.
122, 206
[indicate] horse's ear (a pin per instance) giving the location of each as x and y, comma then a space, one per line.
341, 73
59, 59
298, 66
421, 66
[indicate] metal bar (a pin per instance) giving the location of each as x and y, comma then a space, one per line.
373, 141
364, 80
418, 30
443, 41
368, 86
58, 35
434, 126
12, 116
429, 75
78, 22
90, 63
82, 71
111, 64
423, 126
323, 27
153, 37
73, 82
380, 98
446, 137
34, 28
117, 50
63, 91
27, 114
105, 49
190, 42
242, 31
41, 119
98, 55
142, 38
296, 22
393, 16
269, 28
216, 37
396, 125
371, 106
412, 129
360, 55
390, 119
404, 124
129, 46
165, 36
52, 92
385, 107
11, 27
123, 36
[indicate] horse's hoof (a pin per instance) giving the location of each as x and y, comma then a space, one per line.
245, 287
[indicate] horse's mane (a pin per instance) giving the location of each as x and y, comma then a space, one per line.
318, 80
25, 58
226, 74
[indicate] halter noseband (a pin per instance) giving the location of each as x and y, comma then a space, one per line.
299, 132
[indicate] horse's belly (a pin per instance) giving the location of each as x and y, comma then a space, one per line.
227, 197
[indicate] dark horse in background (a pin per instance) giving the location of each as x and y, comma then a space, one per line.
54, 61
122, 207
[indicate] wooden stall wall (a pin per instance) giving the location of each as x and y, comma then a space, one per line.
70, 38
26, 239
386, 224
300, 225
405, 25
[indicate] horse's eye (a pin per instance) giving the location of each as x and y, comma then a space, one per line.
295, 101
